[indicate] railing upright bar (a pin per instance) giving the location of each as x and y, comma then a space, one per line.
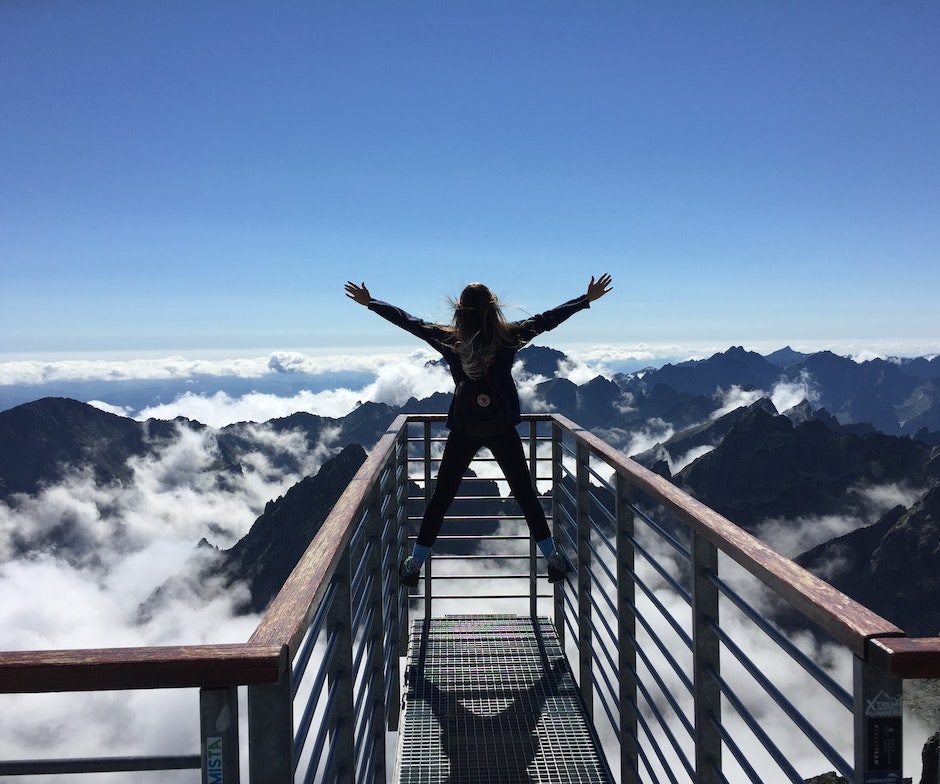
399, 545
271, 756
428, 565
342, 677
374, 525
533, 555
218, 729
557, 523
706, 652
626, 629
585, 634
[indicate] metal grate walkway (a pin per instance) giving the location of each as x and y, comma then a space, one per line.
491, 700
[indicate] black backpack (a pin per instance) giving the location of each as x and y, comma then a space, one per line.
480, 408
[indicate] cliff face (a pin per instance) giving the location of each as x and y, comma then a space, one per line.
767, 467
891, 566
41, 441
265, 556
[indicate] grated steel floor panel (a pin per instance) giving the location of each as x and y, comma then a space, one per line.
491, 700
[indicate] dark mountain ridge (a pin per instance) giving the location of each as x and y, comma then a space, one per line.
897, 396
767, 467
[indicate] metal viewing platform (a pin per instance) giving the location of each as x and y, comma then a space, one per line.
490, 700
655, 660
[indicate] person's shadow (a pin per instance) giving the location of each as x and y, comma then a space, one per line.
500, 744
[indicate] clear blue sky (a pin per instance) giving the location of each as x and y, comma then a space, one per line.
193, 177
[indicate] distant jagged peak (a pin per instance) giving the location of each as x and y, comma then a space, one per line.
541, 360
827, 358
785, 357
735, 367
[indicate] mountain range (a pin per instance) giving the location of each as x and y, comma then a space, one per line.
849, 431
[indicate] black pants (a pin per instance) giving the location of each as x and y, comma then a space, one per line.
458, 452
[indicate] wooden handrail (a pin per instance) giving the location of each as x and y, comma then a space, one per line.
167, 667
907, 657
846, 620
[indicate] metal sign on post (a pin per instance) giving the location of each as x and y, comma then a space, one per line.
878, 726
218, 709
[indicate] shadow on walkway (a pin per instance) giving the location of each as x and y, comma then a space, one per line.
488, 728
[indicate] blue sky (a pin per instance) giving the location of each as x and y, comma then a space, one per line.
202, 178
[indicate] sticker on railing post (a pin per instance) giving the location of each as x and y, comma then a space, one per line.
883, 724
214, 769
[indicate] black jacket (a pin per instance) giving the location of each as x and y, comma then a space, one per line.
501, 371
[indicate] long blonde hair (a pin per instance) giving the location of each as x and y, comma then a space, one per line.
478, 329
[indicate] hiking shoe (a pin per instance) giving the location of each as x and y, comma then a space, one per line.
408, 571
558, 566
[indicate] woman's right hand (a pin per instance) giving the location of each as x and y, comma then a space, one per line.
360, 294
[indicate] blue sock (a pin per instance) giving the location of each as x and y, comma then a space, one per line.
420, 553
547, 546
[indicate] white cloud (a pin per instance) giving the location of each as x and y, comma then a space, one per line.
627, 357
527, 387
784, 395
675, 466
580, 372
735, 397
863, 506
116, 544
787, 394
221, 409
125, 411
881, 498
395, 382
37, 372
790, 537
176, 367
656, 431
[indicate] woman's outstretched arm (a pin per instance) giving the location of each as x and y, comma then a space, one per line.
434, 334
361, 294
536, 325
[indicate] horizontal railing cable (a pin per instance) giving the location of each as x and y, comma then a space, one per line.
799, 720
780, 758
780, 640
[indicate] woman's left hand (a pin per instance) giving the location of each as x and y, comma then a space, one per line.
600, 288
359, 294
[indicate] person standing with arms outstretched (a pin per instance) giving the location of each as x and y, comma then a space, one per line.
479, 346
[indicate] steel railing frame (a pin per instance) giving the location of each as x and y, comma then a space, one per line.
322, 668
661, 735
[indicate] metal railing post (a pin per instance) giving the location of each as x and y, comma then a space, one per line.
533, 555
626, 631
218, 727
557, 504
374, 523
706, 652
341, 677
878, 725
398, 623
428, 567
585, 635
400, 543
271, 729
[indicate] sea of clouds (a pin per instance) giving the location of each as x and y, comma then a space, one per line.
124, 542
